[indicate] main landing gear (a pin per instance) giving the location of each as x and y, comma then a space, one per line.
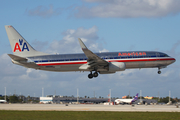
159, 71
91, 75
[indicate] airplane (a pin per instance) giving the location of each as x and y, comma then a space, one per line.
97, 63
3, 101
126, 101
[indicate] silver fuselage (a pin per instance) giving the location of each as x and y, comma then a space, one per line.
72, 62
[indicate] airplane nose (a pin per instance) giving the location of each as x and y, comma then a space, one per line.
173, 60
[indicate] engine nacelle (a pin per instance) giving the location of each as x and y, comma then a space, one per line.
117, 66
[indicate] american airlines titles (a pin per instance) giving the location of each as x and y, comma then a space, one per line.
132, 54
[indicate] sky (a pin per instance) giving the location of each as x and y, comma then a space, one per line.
54, 26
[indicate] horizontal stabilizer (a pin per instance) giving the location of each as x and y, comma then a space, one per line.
17, 58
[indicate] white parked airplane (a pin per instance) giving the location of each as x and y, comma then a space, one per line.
104, 63
126, 101
3, 101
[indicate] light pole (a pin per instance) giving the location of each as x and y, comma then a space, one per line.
140, 96
42, 92
77, 96
110, 96
5, 93
169, 95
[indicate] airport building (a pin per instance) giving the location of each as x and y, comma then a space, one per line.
71, 100
74, 100
146, 101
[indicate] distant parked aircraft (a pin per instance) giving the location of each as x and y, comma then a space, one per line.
3, 101
148, 97
126, 101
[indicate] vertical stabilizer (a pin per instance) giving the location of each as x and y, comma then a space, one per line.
19, 45
135, 98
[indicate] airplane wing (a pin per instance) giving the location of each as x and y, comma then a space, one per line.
17, 58
93, 60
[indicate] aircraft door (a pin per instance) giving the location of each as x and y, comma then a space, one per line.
40, 62
157, 56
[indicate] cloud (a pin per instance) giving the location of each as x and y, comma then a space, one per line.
128, 8
174, 52
70, 44
44, 12
11, 71
39, 45
20, 78
31, 74
7, 68
174, 47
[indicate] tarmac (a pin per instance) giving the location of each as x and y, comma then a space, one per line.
83, 107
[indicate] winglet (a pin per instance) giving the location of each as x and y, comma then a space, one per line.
83, 46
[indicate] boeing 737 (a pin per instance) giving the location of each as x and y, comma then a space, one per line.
97, 63
126, 101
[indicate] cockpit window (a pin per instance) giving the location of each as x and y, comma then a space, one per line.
165, 55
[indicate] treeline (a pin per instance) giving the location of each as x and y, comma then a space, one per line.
20, 99
166, 99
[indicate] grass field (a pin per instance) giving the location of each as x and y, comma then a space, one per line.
83, 115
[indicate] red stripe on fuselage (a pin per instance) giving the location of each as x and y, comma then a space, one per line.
64, 63
127, 60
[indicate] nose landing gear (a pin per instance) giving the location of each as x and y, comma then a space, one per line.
159, 71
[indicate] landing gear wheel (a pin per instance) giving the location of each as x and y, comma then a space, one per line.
159, 72
95, 74
90, 76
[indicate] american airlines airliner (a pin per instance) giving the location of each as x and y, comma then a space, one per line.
96, 63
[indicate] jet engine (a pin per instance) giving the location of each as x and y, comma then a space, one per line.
116, 66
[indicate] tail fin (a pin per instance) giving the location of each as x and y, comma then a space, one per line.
19, 45
135, 98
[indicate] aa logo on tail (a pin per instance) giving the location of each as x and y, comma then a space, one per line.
17, 46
